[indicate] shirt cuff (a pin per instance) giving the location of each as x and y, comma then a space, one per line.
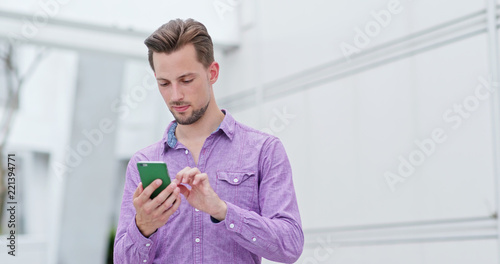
138, 238
234, 218
237, 222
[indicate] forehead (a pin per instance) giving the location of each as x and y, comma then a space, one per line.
177, 62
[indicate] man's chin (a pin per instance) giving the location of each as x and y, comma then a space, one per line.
183, 119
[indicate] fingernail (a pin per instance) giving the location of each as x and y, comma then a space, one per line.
158, 182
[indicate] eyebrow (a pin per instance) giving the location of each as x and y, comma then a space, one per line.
180, 77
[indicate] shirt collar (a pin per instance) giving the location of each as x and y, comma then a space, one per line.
227, 126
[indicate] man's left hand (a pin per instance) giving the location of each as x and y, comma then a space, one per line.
201, 196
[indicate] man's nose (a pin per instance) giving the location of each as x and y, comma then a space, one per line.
177, 94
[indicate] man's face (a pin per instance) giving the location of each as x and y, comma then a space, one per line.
184, 83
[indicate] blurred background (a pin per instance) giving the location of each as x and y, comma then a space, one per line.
388, 111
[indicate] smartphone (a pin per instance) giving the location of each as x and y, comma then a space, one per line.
152, 170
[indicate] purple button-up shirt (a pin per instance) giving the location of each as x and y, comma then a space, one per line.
250, 171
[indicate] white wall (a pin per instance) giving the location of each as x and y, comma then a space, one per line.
346, 133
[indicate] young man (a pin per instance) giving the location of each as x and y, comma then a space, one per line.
238, 203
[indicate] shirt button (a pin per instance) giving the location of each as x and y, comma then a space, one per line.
254, 239
196, 210
147, 245
145, 261
235, 180
231, 226
197, 240
187, 151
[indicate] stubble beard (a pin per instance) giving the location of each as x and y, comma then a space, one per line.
194, 117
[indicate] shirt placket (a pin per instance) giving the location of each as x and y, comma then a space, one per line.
197, 214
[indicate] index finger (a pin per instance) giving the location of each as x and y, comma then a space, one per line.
146, 194
180, 174
163, 195
187, 174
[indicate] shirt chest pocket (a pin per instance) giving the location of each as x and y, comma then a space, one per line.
238, 188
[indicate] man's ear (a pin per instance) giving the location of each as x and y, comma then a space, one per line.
213, 70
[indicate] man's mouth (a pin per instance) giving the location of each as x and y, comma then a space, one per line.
180, 108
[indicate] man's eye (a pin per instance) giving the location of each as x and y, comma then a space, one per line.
187, 81
163, 84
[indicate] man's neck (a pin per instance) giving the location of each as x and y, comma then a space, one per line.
202, 128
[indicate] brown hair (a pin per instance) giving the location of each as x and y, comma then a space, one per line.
176, 34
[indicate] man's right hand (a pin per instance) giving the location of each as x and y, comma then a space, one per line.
152, 214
